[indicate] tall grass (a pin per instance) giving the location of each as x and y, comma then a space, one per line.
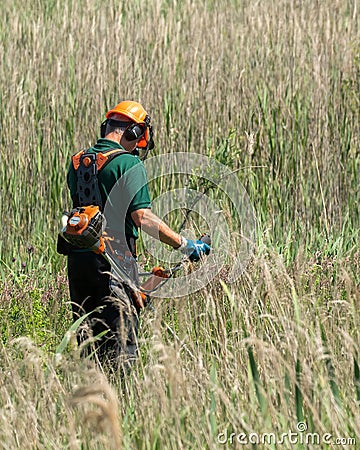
279, 350
270, 89
287, 73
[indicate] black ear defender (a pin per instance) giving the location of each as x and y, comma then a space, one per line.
143, 152
135, 131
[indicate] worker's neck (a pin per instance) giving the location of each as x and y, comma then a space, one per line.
113, 137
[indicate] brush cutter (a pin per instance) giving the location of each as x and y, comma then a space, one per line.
84, 226
157, 277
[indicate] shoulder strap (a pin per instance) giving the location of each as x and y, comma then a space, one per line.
76, 159
104, 158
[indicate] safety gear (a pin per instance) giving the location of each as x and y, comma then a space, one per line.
132, 130
141, 128
194, 250
87, 166
130, 109
83, 227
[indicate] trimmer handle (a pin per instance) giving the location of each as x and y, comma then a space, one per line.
206, 239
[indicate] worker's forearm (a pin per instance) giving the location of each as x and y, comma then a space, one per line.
158, 229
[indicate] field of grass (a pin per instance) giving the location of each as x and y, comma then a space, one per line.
270, 89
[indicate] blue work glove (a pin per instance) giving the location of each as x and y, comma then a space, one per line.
194, 250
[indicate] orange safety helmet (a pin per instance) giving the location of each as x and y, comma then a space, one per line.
136, 113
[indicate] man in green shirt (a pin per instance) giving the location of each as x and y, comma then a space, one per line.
125, 201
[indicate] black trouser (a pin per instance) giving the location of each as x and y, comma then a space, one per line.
93, 290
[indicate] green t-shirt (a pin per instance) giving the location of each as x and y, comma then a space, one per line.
123, 188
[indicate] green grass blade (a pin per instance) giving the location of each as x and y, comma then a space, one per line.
66, 339
330, 368
357, 378
298, 393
